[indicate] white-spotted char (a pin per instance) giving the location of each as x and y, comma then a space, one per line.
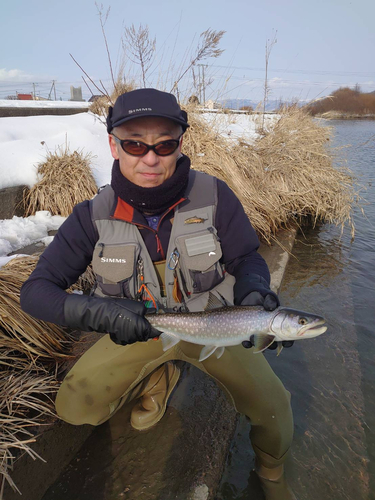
228, 326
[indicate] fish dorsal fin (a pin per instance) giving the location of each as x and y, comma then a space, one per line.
262, 341
213, 302
168, 340
219, 352
207, 351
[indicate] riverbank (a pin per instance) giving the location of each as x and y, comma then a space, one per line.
182, 457
338, 115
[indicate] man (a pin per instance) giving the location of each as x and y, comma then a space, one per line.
159, 235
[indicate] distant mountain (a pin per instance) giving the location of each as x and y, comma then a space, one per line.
239, 103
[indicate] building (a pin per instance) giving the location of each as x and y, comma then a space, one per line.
24, 97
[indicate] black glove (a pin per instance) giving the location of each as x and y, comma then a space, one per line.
253, 290
123, 319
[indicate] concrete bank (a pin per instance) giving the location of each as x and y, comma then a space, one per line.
181, 458
6, 112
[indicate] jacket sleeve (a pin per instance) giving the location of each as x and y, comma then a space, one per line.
239, 243
63, 261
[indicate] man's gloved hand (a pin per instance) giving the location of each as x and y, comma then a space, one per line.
123, 319
261, 295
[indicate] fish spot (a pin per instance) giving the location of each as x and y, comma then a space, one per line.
82, 382
70, 387
111, 374
108, 388
89, 400
68, 377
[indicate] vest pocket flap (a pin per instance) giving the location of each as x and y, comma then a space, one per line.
114, 263
199, 252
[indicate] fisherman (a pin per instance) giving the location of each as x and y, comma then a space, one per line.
161, 235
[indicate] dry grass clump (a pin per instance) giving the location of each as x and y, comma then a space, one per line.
101, 104
30, 353
21, 393
65, 180
284, 177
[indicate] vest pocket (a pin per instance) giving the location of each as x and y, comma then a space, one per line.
115, 268
203, 281
200, 254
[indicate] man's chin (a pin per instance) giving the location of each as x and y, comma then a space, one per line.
149, 180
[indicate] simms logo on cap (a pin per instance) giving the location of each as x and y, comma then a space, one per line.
138, 110
118, 261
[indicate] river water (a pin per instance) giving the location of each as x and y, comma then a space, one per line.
331, 378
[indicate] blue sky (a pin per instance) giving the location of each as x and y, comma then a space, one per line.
321, 45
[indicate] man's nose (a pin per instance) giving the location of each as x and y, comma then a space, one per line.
151, 158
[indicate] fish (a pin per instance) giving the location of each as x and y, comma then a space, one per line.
226, 326
195, 220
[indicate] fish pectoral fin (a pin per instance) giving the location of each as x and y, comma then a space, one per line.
219, 352
213, 303
262, 341
207, 351
168, 340
279, 348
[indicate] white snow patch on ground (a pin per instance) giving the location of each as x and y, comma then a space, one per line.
18, 232
239, 126
5, 260
24, 142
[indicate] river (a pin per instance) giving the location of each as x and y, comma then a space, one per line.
331, 378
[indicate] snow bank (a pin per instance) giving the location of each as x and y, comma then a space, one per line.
18, 232
24, 142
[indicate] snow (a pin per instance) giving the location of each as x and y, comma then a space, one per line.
24, 142
235, 126
18, 232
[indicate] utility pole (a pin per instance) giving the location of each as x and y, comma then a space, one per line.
202, 85
54, 88
34, 90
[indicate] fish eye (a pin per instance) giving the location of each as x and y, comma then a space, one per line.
302, 321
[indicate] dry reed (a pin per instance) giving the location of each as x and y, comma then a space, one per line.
30, 353
65, 180
101, 104
284, 177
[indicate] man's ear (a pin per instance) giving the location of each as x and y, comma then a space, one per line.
113, 146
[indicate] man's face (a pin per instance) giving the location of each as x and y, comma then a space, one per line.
150, 170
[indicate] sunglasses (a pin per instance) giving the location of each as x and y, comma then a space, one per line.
138, 148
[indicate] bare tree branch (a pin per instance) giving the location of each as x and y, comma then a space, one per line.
141, 47
269, 46
103, 20
92, 81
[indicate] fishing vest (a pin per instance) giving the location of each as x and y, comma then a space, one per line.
121, 261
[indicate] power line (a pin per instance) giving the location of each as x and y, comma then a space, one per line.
300, 71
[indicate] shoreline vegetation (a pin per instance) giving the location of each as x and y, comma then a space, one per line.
344, 104
340, 115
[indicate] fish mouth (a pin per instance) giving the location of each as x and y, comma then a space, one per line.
316, 329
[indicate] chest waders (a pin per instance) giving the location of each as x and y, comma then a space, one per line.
122, 263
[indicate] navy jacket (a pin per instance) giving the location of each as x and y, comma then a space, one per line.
67, 257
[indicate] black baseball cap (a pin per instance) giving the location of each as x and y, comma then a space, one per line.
145, 102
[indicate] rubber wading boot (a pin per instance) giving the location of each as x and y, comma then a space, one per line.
154, 396
273, 483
